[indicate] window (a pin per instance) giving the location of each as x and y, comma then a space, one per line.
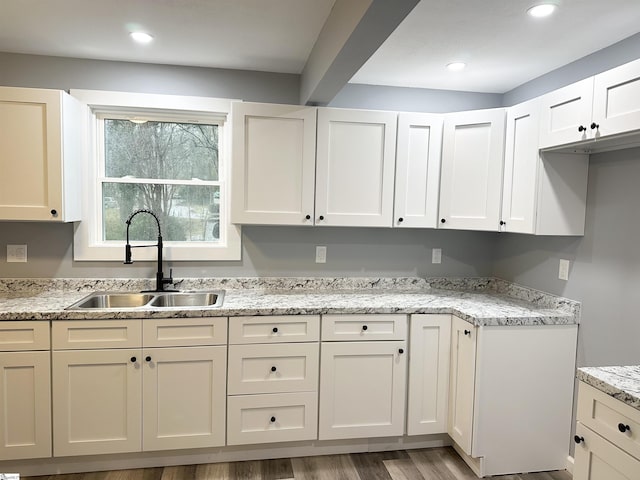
163, 153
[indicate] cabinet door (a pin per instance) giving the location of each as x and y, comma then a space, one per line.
472, 158
25, 405
355, 167
417, 170
31, 155
598, 459
462, 383
616, 100
565, 114
362, 389
184, 397
521, 163
273, 166
97, 402
429, 357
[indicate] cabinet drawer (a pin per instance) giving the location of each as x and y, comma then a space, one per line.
273, 368
25, 335
364, 327
283, 417
604, 415
274, 329
85, 334
188, 332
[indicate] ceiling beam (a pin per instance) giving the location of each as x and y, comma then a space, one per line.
351, 34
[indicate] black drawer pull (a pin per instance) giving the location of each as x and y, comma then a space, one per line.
148, 358
133, 359
467, 332
578, 439
364, 327
401, 350
624, 428
274, 329
273, 419
273, 369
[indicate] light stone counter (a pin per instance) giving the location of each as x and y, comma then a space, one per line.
481, 301
622, 383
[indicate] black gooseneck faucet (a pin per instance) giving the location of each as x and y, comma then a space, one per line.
160, 280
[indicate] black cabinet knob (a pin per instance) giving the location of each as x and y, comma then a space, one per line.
54, 212
133, 359
594, 126
582, 128
273, 419
401, 350
400, 220
148, 358
624, 428
274, 329
321, 217
467, 332
308, 217
442, 220
502, 222
578, 439
273, 369
364, 327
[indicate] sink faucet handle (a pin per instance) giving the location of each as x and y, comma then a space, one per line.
170, 275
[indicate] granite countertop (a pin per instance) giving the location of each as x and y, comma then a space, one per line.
622, 383
481, 301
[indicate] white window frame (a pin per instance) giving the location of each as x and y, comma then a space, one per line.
88, 244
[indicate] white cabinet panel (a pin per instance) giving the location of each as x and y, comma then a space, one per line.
184, 397
282, 417
39, 155
97, 402
25, 405
362, 389
429, 358
565, 115
274, 329
597, 459
419, 147
92, 334
355, 167
188, 332
616, 101
365, 327
21, 335
273, 167
471, 180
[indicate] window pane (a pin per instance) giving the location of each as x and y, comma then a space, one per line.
165, 150
186, 212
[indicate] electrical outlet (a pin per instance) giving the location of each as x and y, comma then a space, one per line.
321, 254
436, 255
563, 270
16, 253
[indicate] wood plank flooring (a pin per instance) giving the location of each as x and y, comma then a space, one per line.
427, 464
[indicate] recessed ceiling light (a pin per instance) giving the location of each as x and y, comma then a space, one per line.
456, 66
141, 37
542, 10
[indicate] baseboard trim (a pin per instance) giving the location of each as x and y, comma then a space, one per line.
570, 463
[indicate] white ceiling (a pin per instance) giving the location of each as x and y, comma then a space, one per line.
501, 44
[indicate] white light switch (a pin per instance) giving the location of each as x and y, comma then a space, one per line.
16, 253
563, 271
321, 254
436, 255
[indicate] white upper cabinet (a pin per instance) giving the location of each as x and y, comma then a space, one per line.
565, 115
274, 148
616, 100
419, 147
471, 179
355, 166
39, 155
597, 107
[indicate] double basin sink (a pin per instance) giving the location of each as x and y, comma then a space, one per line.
130, 300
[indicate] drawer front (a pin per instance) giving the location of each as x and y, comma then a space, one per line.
607, 416
273, 368
282, 417
89, 334
274, 329
25, 335
188, 332
364, 327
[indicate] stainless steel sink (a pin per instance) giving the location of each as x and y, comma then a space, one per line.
139, 301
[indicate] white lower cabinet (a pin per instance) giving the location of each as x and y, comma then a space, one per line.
607, 437
511, 396
25, 390
117, 400
429, 358
273, 385
362, 387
